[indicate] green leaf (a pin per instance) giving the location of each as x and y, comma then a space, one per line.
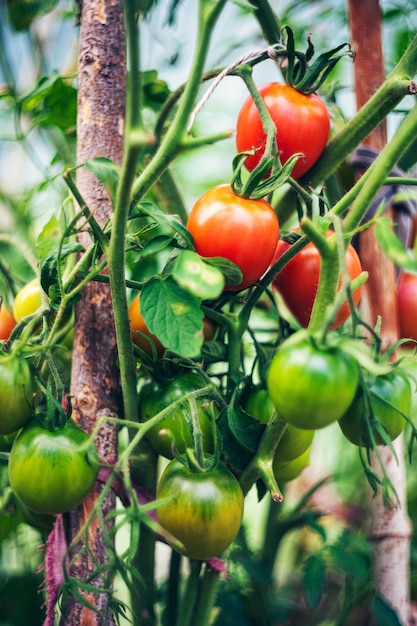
201, 279
352, 563
314, 576
230, 271
173, 315
23, 12
107, 172
392, 246
49, 237
383, 613
49, 267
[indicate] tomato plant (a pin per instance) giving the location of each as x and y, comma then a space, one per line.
204, 508
27, 300
311, 385
388, 402
175, 429
298, 280
407, 305
7, 322
52, 471
141, 335
293, 442
226, 225
302, 123
17, 393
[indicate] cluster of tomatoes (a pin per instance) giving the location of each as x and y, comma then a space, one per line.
201, 501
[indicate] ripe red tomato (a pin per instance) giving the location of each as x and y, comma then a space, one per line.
407, 305
302, 122
297, 282
7, 322
239, 229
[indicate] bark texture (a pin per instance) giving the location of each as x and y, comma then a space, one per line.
94, 384
390, 529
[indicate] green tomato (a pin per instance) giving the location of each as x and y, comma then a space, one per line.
204, 509
311, 386
390, 399
294, 441
28, 300
175, 429
52, 471
17, 393
289, 470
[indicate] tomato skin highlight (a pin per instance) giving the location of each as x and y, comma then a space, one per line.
175, 428
390, 398
239, 229
17, 394
205, 509
302, 123
7, 322
298, 281
52, 471
311, 386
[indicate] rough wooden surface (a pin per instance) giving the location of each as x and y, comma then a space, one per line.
94, 384
390, 529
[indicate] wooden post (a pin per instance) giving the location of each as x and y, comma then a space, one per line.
94, 384
390, 530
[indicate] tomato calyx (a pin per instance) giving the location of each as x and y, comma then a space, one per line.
306, 78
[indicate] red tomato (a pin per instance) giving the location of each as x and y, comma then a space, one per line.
239, 229
297, 282
302, 122
7, 322
407, 305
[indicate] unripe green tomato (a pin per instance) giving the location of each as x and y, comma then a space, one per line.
390, 397
294, 441
52, 471
17, 393
289, 470
203, 511
311, 385
175, 429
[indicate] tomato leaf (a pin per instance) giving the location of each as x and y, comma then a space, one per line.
49, 267
107, 172
173, 315
231, 272
383, 613
196, 276
314, 575
392, 246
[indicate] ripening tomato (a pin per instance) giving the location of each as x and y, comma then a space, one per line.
298, 281
390, 400
204, 509
17, 393
311, 385
239, 229
302, 123
52, 471
7, 322
407, 305
141, 335
27, 300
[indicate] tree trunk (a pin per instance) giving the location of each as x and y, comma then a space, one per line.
390, 530
94, 385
